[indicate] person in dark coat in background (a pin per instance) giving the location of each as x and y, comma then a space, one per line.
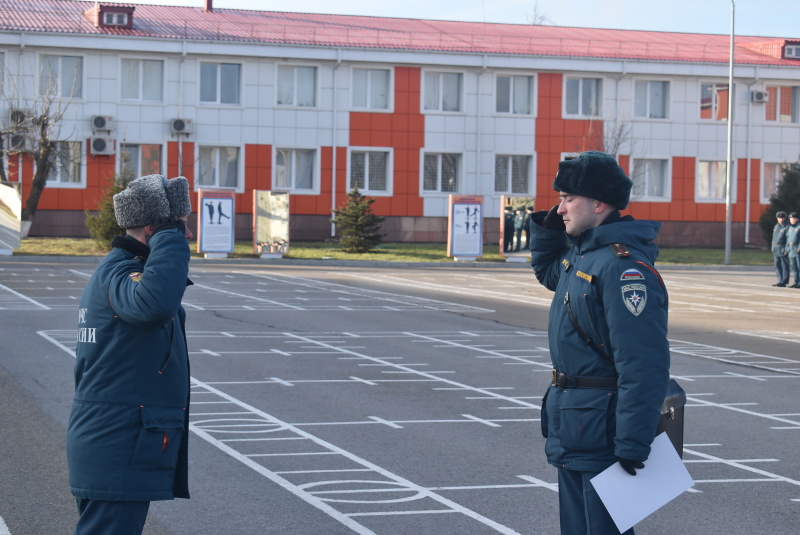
127, 441
508, 229
519, 224
607, 332
793, 248
779, 251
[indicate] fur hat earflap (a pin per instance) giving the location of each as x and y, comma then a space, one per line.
143, 202
596, 175
180, 202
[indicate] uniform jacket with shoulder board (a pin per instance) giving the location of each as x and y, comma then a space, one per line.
620, 302
127, 438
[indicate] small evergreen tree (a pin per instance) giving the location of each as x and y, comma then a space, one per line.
786, 198
102, 225
358, 228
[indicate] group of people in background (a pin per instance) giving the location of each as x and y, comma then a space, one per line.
515, 222
785, 237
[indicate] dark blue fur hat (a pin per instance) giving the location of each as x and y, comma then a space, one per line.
596, 175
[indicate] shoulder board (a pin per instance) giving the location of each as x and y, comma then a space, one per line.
620, 250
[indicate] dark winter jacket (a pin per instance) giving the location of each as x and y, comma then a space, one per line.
779, 239
607, 278
127, 438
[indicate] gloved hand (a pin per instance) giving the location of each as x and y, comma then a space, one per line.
169, 223
553, 220
630, 466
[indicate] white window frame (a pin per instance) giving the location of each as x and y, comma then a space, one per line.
137, 170
719, 177
60, 76
370, 105
239, 168
115, 18
775, 179
648, 102
715, 101
438, 190
512, 93
440, 91
315, 172
141, 76
666, 196
389, 191
509, 186
293, 104
581, 113
80, 167
219, 81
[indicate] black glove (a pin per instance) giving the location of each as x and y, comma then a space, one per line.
553, 220
165, 223
630, 466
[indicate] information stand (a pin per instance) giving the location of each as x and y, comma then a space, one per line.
10, 219
514, 243
270, 223
465, 228
215, 221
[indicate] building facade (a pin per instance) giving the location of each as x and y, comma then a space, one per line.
408, 111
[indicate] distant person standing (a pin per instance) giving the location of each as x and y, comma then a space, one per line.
779, 250
792, 241
519, 224
508, 229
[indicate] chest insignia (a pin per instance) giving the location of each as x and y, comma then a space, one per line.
585, 276
635, 297
631, 275
566, 264
135, 276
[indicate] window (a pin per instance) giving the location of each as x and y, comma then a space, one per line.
297, 86
61, 76
142, 79
711, 179
583, 96
783, 104
66, 163
294, 169
219, 167
650, 179
369, 170
512, 174
792, 51
770, 180
441, 172
219, 83
714, 101
140, 160
371, 88
651, 100
514, 94
443, 91
115, 19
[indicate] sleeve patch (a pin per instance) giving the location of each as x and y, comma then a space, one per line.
635, 297
631, 275
135, 276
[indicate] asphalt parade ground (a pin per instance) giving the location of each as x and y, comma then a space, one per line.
333, 398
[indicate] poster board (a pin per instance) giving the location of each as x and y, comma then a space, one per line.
216, 210
465, 227
270, 223
10, 219
514, 244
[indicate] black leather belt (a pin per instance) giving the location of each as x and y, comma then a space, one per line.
562, 380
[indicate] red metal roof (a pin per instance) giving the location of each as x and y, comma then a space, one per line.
346, 31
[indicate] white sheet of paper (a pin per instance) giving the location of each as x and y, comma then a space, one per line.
631, 499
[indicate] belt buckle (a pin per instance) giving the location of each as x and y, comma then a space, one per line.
554, 381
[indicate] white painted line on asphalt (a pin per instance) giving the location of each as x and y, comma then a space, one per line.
25, 297
3, 528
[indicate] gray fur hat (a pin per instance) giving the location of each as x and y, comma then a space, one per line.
180, 202
596, 175
142, 202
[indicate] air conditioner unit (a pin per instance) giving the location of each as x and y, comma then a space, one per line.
759, 96
102, 146
19, 117
102, 123
181, 126
19, 143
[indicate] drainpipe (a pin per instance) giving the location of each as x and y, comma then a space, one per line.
478, 121
617, 107
334, 145
747, 148
180, 108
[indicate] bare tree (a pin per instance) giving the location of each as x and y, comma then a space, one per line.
33, 126
539, 18
609, 136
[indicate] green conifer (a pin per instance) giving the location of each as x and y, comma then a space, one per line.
357, 227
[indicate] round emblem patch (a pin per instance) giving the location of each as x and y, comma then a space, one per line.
635, 297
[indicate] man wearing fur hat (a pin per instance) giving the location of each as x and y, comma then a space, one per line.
607, 333
127, 440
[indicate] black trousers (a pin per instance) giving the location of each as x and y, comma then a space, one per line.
101, 517
581, 510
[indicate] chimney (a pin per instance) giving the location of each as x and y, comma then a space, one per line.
208, 7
